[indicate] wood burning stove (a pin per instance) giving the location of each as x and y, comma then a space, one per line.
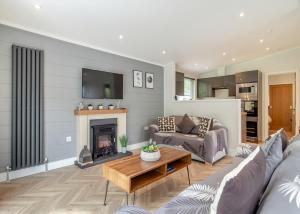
103, 138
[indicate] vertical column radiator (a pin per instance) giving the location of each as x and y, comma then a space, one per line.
27, 145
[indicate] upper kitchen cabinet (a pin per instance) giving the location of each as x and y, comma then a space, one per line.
230, 84
246, 77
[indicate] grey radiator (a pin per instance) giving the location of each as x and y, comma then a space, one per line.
27, 146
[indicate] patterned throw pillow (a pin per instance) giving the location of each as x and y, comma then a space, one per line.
166, 124
203, 126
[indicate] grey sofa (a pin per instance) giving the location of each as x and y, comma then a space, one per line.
209, 149
282, 194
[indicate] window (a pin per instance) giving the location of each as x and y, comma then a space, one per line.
189, 86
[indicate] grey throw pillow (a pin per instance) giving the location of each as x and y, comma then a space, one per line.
240, 189
274, 155
284, 139
186, 125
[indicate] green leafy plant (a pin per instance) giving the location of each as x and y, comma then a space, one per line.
123, 140
150, 148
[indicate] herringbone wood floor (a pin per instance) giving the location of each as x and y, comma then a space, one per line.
72, 190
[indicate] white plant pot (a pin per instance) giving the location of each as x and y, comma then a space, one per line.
90, 107
123, 149
100, 107
150, 156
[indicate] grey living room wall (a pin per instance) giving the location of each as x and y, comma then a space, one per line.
63, 64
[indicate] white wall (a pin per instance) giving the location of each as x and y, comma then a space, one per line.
226, 111
278, 79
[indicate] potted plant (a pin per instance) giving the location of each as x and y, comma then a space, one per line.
111, 106
100, 107
150, 152
90, 107
123, 141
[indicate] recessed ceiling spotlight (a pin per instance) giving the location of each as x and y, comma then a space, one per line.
233, 59
242, 14
196, 64
164, 52
224, 53
121, 37
37, 7
206, 67
261, 40
267, 49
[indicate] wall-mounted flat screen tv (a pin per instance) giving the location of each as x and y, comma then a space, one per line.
101, 85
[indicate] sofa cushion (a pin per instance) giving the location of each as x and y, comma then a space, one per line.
177, 139
203, 125
166, 124
237, 193
198, 197
284, 139
186, 125
283, 192
273, 152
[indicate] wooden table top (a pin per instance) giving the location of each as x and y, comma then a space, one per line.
133, 165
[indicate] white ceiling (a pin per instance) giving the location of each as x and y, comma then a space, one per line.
190, 31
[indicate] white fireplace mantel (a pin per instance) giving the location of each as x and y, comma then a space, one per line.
83, 118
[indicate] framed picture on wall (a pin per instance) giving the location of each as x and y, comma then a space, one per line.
137, 79
149, 80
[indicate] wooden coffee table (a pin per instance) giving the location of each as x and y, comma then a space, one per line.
132, 173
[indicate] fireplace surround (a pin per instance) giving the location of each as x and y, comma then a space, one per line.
88, 120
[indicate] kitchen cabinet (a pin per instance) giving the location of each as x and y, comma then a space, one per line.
246, 77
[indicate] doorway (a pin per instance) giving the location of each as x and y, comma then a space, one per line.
282, 103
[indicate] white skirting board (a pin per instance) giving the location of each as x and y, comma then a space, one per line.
37, 169
51, 165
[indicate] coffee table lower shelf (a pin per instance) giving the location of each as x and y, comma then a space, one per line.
132, 173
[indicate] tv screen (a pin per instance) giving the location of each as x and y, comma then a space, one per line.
101, 85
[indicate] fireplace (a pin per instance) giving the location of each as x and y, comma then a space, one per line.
103, 138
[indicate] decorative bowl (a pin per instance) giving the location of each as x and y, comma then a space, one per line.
150, 156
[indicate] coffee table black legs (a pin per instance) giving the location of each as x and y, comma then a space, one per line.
105, 196
188, 174
106, 189
133, 200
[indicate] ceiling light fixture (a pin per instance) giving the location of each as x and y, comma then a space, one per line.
37, 7
267, 49
206, 67
233, 59
242, 14
164, 52
224, 53
196, 64
261, 41
121, 37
